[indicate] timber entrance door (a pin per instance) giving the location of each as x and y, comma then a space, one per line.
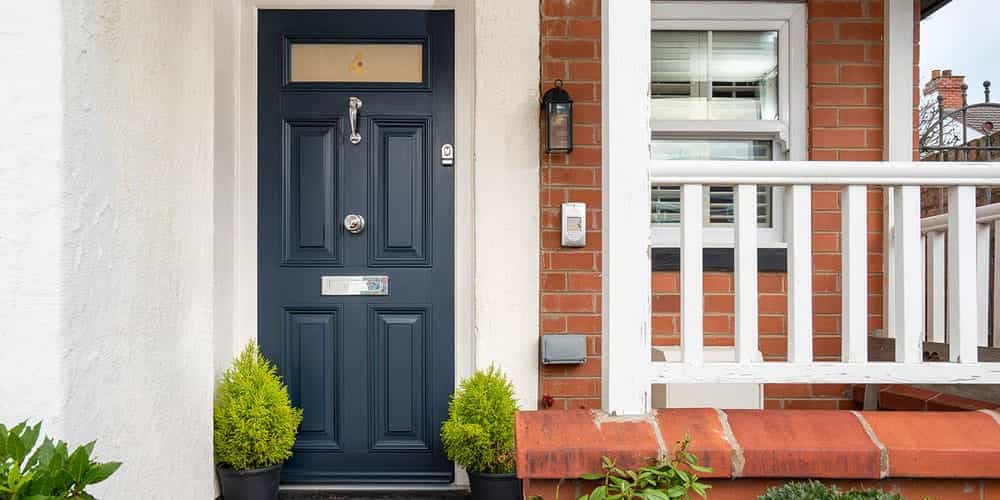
355, 236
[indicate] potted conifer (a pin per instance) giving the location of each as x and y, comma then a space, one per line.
479, 434
255, 427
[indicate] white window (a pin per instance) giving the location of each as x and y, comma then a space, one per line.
727, 82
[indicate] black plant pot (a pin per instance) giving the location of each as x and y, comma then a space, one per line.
495, 486
251, 484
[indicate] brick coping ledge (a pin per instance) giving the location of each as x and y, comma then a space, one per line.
557, 444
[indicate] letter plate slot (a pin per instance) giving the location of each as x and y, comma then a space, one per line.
355, 285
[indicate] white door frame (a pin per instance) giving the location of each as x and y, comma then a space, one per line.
244, 160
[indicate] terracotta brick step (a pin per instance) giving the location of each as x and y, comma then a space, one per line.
767, 443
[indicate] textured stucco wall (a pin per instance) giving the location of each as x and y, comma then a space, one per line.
106, 234
31, 187
506, 191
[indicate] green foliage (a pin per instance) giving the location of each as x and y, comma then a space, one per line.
49, 471
255, 423
814, 490
665, 479
479, 432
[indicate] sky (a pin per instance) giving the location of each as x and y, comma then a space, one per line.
964, 36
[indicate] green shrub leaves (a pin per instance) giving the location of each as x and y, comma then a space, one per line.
479, 432
814, 490
255, 423
49, 471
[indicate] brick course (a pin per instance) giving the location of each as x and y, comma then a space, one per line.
845, 110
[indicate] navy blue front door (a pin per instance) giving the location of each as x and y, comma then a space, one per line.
372, 372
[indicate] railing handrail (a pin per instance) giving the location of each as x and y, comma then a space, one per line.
903, 173
984, 215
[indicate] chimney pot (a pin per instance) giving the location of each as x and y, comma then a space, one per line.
946, 73
935, 74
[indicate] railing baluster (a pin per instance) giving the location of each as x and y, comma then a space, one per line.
909, 341
800, 347
692, 302
854, 272
923, 284
983, 282
996, 284
746, 272
936, 286
962, 280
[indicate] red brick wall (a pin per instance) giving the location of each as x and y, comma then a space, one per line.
845, 109
570, 278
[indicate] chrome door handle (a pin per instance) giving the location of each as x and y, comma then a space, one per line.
354, 223
353, 105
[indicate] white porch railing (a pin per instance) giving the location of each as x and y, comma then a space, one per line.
935, 236
964, 288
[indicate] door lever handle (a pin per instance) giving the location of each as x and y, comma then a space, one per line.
353, 105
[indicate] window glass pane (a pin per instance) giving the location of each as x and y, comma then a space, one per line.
665, 199
714, 75
357, 62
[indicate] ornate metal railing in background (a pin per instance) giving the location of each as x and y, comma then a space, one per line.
944, 134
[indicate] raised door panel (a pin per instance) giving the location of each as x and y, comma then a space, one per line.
400, 420
309, 367
400, 193
310, 184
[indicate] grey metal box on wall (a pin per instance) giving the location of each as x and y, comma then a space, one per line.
563, 349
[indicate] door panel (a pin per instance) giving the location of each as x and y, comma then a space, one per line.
400, 349
310, 180
399, 192
310, 365
372, 373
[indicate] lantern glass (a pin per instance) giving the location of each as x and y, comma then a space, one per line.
560, 124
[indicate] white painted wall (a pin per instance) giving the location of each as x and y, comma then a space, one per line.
506, 190
106, 233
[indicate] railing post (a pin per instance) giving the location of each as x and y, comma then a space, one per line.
854, 272
909, 338
625, 300
746, 272
962, 315
800, 290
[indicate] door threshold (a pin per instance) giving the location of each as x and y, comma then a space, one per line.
396, 491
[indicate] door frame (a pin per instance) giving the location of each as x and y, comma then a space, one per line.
244, 152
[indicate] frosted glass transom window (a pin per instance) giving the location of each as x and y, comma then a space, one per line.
714, 75
357, 62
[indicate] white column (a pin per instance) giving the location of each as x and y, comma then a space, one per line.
746, 272
898, 129
962, 317
854, 274
625, 43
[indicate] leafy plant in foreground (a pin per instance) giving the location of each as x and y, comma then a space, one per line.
665, 479
48, 471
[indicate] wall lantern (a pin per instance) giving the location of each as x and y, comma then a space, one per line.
558, 108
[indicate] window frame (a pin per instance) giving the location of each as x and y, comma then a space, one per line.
788, 133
